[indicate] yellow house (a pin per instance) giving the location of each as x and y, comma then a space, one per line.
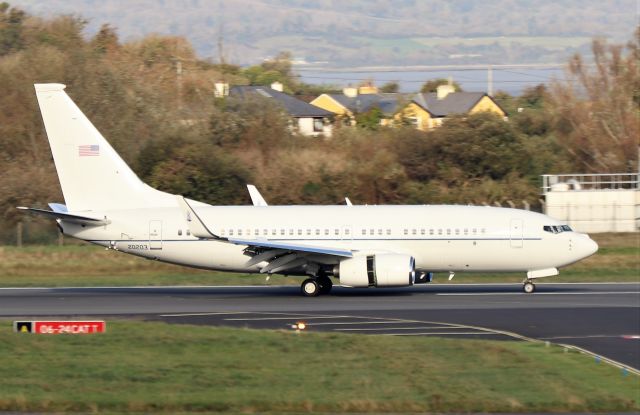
428, 110
354, 101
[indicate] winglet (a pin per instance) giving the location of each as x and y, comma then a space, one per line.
256, 197
196, 225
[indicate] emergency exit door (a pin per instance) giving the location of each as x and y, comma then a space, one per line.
516, 233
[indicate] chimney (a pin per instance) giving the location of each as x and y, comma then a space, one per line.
443, 90
277, 86
367, 88
220, 89
350, 92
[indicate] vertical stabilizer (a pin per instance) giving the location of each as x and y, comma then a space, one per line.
92, 175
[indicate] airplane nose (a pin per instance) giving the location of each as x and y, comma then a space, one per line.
587, 246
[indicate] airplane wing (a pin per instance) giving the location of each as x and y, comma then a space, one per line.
82, 219
256, 197
280, 256
292, 247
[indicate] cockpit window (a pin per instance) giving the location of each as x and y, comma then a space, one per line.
557, 229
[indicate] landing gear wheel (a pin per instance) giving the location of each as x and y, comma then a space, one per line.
325, 284
529, 287
310, 288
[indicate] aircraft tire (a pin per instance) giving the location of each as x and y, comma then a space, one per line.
325, 284
529, 287
310, 288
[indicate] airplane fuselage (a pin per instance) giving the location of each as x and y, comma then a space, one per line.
440, 238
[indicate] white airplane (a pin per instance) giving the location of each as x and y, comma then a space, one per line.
360, 246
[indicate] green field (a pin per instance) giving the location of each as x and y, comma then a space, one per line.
150, 367
84, 265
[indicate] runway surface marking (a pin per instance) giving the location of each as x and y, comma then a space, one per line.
203, 314
442, 334
397, 328
543, 293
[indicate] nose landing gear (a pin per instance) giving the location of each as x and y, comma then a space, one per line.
528, 287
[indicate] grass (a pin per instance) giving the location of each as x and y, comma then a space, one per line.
86, 265
148, 367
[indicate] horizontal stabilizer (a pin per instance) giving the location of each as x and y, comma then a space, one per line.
196, 225
82, 219
293, 247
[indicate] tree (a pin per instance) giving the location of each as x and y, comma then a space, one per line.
390, 87
597, 109
106, 40
433, 84
11, 28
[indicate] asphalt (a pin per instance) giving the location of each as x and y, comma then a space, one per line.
602, 318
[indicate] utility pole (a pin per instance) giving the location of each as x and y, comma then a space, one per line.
490, 80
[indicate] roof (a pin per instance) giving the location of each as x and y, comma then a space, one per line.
387, 103
293, 106
453, 103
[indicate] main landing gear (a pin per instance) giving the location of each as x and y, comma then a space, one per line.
528, 287
314, 287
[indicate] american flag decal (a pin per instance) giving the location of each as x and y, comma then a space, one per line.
89, 150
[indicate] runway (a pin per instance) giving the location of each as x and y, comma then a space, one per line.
601, 318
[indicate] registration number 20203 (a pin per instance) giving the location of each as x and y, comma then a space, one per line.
138, 246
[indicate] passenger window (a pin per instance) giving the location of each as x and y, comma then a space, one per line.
179, 232
364, 231
231, 232
388, 231
448, 231
317, 231
274, 232
337, 232
300, 232
430, 231
256, 232
346, 231
188, 232
457, 231
326, 232
422, 231
290, 231
406, 231
308, 232
439, 231
413, 231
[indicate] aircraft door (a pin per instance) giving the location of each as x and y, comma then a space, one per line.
516, 233
155, 234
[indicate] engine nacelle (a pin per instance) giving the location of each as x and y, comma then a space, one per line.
380, 270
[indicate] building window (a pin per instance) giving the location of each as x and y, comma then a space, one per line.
318, 125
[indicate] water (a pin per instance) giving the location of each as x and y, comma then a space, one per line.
510, 80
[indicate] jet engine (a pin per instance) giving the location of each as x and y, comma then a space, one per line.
380, 270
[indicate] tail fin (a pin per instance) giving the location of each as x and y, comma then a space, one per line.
92, 175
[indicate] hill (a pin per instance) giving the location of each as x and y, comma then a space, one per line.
401, 32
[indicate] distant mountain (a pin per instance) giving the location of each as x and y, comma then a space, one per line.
364, 32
